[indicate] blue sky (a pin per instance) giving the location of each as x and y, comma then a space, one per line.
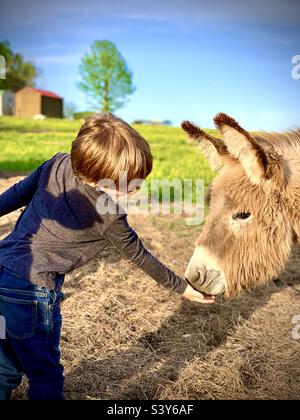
190, 58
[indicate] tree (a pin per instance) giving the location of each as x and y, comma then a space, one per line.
105, 76
19, 72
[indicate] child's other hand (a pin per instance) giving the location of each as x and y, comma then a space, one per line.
195, 296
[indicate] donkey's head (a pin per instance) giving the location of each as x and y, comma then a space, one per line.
254, 207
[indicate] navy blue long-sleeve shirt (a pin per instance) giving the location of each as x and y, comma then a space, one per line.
61, 229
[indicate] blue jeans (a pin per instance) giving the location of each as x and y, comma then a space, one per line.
31, 347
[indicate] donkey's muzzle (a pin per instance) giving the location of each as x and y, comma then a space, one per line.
211, 282
203, 275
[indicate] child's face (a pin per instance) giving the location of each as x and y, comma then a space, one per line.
130, 189
133, 187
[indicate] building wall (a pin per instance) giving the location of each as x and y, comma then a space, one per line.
27, 103
52, 107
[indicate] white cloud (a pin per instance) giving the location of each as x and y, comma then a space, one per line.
58, 59
142, 17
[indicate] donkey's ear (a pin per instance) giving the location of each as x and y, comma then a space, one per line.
256, 161
213, 148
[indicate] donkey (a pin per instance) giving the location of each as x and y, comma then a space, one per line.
254, 203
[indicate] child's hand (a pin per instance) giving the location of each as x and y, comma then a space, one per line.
195, 296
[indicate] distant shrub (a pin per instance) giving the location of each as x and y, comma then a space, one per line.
82, 115
152, 122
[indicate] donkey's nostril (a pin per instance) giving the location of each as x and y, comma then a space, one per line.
211, 282
204, 273
192, 273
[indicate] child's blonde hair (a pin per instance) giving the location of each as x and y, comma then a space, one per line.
106, 146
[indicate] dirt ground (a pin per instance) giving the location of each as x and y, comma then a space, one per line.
124, 337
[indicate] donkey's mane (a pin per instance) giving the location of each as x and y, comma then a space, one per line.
281, 142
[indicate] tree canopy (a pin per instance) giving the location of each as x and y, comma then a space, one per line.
105, 77
19, 72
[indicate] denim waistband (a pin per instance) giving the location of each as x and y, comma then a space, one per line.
14, 280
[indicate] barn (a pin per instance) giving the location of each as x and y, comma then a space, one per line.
30, 102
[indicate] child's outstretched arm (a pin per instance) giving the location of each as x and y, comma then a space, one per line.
20, 194
126, 240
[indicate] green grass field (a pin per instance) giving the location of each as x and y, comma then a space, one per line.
26, 143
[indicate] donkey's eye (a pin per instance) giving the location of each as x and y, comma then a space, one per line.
241, 216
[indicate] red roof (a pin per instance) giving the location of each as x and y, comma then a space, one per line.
47, 93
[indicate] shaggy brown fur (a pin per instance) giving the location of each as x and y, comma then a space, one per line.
223, 121
213, 148
262, 178
196, 133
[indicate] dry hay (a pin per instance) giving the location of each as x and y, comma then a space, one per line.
124, 337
